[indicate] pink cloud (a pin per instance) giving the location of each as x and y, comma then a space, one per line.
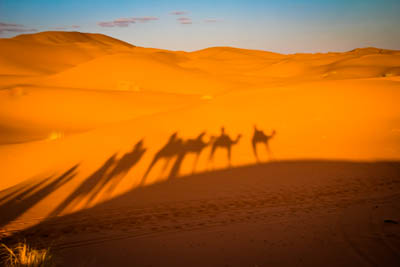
178, 13
11, 27
145, 19
106, 24
184, 20
3, 24
125, 22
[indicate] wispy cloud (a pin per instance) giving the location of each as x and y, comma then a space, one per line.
184, 20
211, 20
11, 27
106, 24
178, 13
125, 22
180, 19
145, 19
3, 24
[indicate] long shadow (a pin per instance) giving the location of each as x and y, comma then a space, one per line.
14, 191
109, 175
211, 185
30, 196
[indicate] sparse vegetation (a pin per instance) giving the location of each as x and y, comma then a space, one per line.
23, 255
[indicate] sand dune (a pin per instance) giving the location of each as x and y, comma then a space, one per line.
71, 37
84, 116
50, 52
135, 72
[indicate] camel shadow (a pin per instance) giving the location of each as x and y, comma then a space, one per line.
90, 187
170, 150
123, 166
259, 137
190, 146
178, 148
108, 176
224, 141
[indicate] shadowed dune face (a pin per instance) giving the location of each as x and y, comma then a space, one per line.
74, 97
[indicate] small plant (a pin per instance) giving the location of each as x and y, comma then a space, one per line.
22, 255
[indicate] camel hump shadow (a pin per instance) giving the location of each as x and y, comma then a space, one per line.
178, 148
172, 148
190, 146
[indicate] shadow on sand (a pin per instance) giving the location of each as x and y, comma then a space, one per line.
18, 199
313, 179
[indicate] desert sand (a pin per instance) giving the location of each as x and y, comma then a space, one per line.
105, 154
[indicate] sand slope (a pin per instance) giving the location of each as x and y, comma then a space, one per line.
137, 71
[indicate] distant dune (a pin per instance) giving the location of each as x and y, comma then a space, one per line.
50, 52
54, 37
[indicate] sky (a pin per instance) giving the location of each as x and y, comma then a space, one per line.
284, 26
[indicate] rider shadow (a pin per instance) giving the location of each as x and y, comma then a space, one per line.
223, 141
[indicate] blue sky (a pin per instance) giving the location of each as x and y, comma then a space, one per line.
285, 26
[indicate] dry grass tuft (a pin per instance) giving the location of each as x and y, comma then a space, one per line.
22, 255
